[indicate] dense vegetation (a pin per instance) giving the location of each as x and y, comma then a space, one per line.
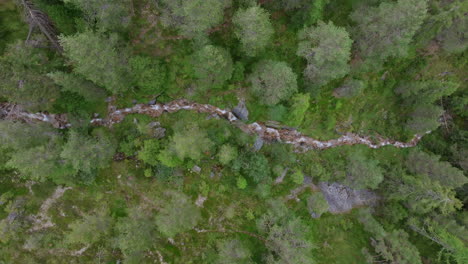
192, 188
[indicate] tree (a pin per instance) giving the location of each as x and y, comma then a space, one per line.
213, 66
99, 59
424, 118
168, 158
327, 49
349, 88
362, 172
273, 81
193, 18
18, 136
299, 105
253, 28
298, 177
233, 251
392, 247
253, 165
453, 38
149, 74
75, 83
285, 236
178, 215
317, 204
386, 31
293, 4
426, 91
227, 153
23, 73
85, 153
35, 149
112, 15
241, 183
447, 234
38, 163
149, 152
419, 162
135, 233
395, 248
420, 194
90, 229
190, 142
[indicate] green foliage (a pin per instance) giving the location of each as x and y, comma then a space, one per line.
213, 66
178, 215
297, 177
74, 83
168, 158
238, 72
233, 251
193, 18
454, 39
420, 194
85, 153
327, 49
109, 15
422, 163
190, 142
387, 30
286, 239
149, 74
135, 232
273, 81
227, 153
149, 152
350, 88
253, 28
253, 165
38, 163
392, 247
19, 136
90, 229
99, 59
424, 118
317, 204
362, 172
426, 91
300, 104
11, 26
241, 183
23, 73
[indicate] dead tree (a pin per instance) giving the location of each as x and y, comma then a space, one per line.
38, 19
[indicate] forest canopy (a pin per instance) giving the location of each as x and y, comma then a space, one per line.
233, 131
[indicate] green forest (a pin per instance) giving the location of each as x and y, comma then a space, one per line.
233, 131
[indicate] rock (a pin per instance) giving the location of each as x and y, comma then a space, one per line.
196, 169
12, 216
200, 201
281, 177
258, 144
154, 124
342, 199
152, 102
159, 132
240, 111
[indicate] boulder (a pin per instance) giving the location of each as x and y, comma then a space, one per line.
240, 111
258, 143
196, 169
342, 199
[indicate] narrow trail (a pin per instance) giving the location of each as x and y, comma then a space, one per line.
269, 134
42, 220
